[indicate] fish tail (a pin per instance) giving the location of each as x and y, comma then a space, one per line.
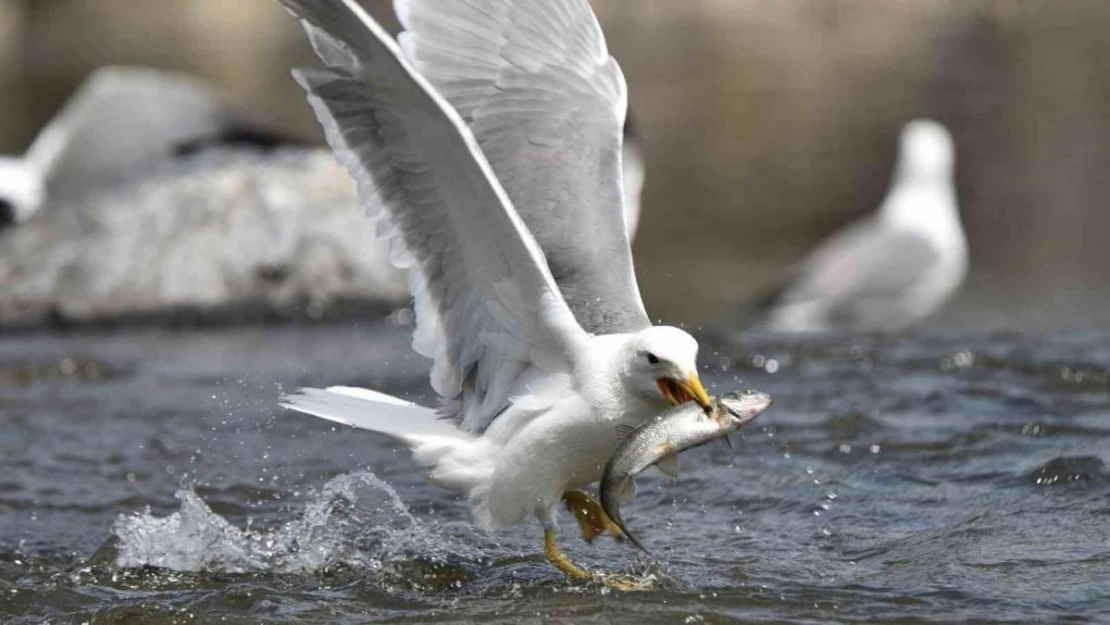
627, 534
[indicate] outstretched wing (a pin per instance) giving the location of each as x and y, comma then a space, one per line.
487, 307
535, 82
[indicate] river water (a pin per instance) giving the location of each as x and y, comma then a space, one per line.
147, 476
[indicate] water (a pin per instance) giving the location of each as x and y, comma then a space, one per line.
147, 477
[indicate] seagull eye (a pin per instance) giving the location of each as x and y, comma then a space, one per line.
652, 358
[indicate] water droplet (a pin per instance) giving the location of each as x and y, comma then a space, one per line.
964, 359
67, 367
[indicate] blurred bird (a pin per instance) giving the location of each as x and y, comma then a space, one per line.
490, 152
888, 270
120, 121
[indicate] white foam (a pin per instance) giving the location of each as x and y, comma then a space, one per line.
356, 519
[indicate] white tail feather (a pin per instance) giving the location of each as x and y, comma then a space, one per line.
455, 454
412, 424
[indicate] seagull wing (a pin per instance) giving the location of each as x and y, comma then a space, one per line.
488, 310
546, 102
864, 265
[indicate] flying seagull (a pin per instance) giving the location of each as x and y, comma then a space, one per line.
491, 151
891, 269
121, 120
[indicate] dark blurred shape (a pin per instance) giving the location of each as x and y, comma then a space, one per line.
893, 268
7, 214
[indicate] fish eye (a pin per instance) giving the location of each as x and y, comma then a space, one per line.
652, 358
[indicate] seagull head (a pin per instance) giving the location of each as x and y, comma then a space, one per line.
926, 151
21, 191
662, 360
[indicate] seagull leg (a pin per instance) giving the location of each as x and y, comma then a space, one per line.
592, 520
561, 562
616, 581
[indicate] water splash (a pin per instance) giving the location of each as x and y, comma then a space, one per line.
356, 519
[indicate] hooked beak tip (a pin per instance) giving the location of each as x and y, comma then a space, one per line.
693, 385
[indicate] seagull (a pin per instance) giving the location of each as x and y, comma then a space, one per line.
891, 269
486, 140
122, 119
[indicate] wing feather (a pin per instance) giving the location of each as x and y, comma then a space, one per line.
546, 102
487, 306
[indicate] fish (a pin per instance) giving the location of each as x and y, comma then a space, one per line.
658, 440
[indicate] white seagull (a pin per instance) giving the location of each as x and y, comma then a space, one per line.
892, 269
490, 151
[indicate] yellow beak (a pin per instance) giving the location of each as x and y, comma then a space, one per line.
679, 392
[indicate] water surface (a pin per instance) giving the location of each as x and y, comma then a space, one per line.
148, 477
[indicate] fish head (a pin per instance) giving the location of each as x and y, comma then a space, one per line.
736, 409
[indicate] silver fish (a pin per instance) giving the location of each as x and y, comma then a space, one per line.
658, 440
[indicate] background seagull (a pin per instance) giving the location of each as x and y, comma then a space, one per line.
531, 388
121, 120
892, 269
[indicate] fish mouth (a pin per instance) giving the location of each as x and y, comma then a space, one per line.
746, 406
679, 391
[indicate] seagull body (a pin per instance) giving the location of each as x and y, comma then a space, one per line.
892, 269
489, 151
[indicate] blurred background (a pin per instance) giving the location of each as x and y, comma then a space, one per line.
766, 125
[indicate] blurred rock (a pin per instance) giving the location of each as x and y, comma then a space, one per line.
221, 233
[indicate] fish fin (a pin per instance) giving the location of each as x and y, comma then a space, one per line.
669, 465
626, 491
623, 430
725, 439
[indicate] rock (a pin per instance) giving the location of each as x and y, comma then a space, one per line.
219, 233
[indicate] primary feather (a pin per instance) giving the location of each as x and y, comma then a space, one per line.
546, 102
